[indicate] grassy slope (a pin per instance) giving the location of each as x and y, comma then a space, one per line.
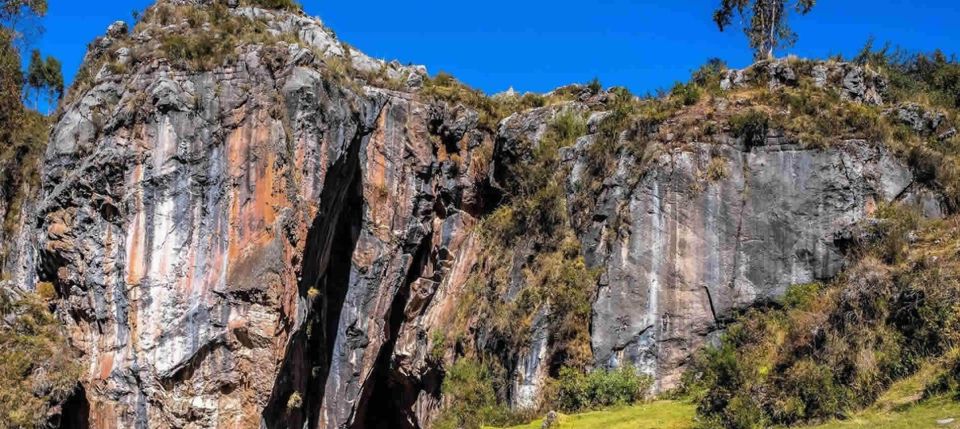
655, 415
898, 408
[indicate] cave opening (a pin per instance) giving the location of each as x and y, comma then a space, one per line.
388, 401
75, 412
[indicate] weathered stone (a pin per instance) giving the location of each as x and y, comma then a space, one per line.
263, 245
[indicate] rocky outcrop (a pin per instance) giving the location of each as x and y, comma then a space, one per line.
682, 252
241, 246
272, 244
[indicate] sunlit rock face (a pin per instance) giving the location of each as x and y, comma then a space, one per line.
224, 241
687, 251
269, 245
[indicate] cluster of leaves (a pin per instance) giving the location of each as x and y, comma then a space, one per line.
765, 22
576, 391
37, 369
471, 396
751, 126
824, 351
22, 132
44, 76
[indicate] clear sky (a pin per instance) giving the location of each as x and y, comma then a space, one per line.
537, 45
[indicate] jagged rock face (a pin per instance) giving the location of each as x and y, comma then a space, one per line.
240, 247
686, 251
267, 245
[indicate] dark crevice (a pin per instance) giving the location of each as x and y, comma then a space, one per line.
713, 309
75, 412
387, 402
325, 279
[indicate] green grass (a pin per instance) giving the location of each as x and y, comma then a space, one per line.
897, 408
924, 415
655, 415
679, 415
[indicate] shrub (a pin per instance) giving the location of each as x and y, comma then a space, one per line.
830, 349
710, 74
577, 391
290, 5
294, 402
802, 295
37, 366
688, 94
595, 86
751, 126
471, 401
717, 169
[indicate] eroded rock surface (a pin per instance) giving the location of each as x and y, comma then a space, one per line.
269, 245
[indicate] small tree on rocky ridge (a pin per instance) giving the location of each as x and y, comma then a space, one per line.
764, 22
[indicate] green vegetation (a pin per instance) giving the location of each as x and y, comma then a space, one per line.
290, 5
206, 38
765, 22
653, 415
45, 77
751, 126
532, 230
200, 49
444, 87
470, 393
37, 368
825, 351
23, 132
576, 391
535, 216
20, 166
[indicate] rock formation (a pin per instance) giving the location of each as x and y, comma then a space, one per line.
270, 244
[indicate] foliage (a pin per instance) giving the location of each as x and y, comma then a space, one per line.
444, 87
20, 155
826, 350
709, 74
577, 391
471, 399
200, 49
37, 368
765, 22
528, 239
688, 93
294, 402
45, 77
751, 126
290, 5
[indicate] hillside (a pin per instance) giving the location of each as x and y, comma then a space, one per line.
244, 222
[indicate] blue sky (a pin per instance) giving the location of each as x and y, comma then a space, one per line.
537, 45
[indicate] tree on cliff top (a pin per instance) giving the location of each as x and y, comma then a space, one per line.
45, 77
764, 22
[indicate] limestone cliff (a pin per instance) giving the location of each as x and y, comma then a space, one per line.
273, 239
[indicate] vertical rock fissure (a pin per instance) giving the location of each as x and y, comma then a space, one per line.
76, 411
388, 399
324, 279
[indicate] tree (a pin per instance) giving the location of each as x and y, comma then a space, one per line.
11, 76
766, 28
35, 77
45, 77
